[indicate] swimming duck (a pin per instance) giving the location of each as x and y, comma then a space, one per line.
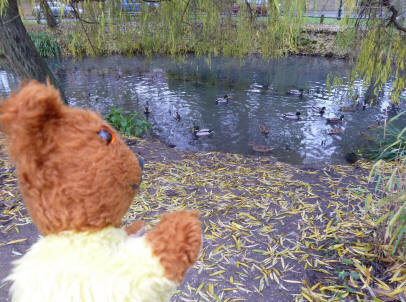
197, 132
177, 117
336, 131
260, 148
264, 129
298, 92
377, 125
295, 91
320, 110
366, 137
146, 110
292, 116
335, 120
349, 108
223, 100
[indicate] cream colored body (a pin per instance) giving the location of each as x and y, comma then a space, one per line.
105, 266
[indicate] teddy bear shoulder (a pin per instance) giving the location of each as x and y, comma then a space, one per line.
103, 266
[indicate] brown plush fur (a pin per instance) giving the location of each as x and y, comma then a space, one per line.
135, 227
70, 178
176, 241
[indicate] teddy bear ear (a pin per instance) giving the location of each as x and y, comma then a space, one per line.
29, 108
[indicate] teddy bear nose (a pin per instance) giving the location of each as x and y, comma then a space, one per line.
141, 162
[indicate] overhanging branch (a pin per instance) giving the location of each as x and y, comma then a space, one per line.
394, 15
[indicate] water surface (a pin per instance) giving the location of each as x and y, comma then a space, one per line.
259, 92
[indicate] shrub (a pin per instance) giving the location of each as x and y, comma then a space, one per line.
46, 44
304, 41
389, 176
126, 122
390, 143
391, 186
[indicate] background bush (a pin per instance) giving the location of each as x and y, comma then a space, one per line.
389, 209
46, 44
126, 122
389, 176
390, 144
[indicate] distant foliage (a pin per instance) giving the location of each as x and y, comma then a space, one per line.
179, 27
126, 122
380, 33
46, 44
209, 27
376, 36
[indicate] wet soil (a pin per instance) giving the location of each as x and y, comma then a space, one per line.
271, 231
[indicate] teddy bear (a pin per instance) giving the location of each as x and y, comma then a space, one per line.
78, 179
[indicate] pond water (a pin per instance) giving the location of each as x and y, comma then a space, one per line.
260, 96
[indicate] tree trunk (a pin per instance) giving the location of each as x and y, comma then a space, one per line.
48, 14
20, 52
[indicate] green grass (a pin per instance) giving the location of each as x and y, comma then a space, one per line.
316, 20
391, 184
390, 142
30, 22
46, 44
312, 20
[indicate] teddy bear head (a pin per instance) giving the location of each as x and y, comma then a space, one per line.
74, 171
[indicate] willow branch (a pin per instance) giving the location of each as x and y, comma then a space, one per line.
75, 12
184, 11
79, 18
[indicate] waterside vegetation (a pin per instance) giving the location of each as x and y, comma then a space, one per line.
127, 122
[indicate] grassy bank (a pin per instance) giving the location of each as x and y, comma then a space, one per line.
320, 40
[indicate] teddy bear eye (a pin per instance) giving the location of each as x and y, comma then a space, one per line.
106, 134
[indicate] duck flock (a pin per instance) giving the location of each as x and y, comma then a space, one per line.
336, 122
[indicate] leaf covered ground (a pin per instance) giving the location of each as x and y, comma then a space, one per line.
272, 231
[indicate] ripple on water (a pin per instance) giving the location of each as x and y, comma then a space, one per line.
259, 93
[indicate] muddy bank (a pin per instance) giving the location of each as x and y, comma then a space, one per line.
270, 229
321, 40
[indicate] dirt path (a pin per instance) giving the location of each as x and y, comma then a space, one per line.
272, 232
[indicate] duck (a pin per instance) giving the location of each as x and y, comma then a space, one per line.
146, 110
377, 125
223, 100
177, 117
335, 120
292, 116
336, 131
320, 110
298, 92
197, 132
263, 129
260, 148
366, 137
349, 108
